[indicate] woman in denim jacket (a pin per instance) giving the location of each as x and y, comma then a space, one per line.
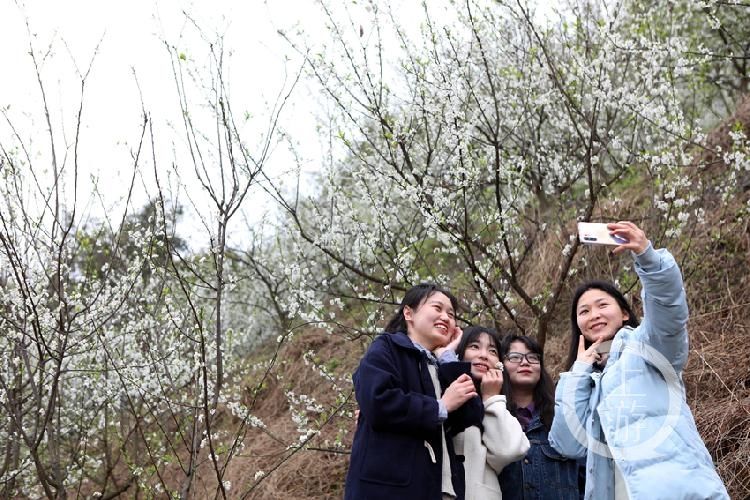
622, 405
544, 474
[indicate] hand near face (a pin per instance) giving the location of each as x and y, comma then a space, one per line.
453, 342
637, 241
492, 383
455, 338
460, 391
588, 356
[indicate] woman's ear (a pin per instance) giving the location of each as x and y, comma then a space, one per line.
408, 313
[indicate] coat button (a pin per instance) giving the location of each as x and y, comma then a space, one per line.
525, 460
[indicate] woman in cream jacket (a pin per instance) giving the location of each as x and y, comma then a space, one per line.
499, 440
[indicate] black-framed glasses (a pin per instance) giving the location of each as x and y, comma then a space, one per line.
516, 357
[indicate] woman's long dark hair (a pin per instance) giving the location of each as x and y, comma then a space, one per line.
413, 299
470, 335
544, 391
575, 331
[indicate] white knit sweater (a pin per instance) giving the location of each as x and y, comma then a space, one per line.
485, 454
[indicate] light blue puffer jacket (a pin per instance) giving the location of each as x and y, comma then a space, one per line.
633, 415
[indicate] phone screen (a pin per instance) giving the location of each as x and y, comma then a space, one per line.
596, 233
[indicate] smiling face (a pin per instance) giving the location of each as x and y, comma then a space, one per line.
524, 374
599, 315
432, 322
483, 355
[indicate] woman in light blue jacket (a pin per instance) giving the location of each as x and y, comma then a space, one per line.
622, 402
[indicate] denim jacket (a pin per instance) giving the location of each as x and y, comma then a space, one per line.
543, 474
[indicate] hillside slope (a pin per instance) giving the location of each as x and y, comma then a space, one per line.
714, 255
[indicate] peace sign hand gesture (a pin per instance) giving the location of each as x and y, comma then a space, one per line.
588, 356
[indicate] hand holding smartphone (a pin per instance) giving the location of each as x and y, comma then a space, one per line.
596, 233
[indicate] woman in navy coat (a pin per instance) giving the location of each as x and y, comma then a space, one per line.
400, 450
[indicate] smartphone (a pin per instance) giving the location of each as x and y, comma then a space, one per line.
604, 347
596, 233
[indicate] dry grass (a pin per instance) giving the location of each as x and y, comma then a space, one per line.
717, 378
314, 471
